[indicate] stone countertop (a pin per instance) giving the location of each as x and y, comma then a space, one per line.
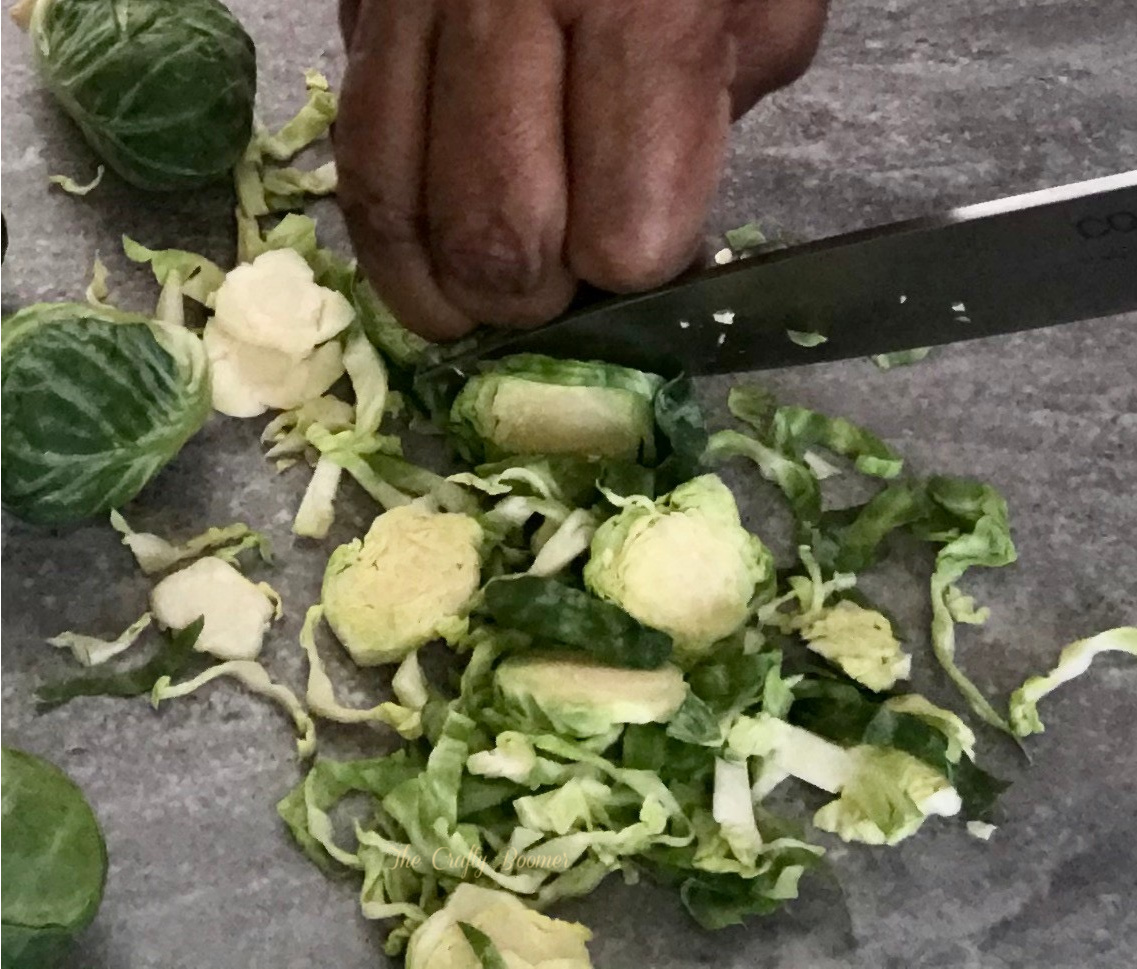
911, 107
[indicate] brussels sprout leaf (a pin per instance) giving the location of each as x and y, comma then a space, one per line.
1073, 661
200, 276
795, 429
549, 609
484, 949
901, 358
679, 419
310, 123
72, 187
845, 714
695, 723
330, 781
174, 656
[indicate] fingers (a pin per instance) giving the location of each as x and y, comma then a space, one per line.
380, 147
776, 41
649, 112
496, 189
348, 14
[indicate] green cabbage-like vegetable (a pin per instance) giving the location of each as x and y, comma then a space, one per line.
530, 938
162, 89
54, 861
95, 402
583, 698
530, 404
682, 564
410, 580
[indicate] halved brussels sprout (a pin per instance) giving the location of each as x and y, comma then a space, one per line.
682, 564
408, 581
530, 404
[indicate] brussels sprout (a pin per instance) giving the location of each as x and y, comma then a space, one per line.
162, 89
531, 404
586, 698
270, 339
682, 564
410, 580
54, 861
522, 936
95, 402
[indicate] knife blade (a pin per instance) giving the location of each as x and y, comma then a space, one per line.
1044, 258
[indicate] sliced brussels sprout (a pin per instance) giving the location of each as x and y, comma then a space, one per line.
585, 698
682, 564
522, 936
530, 404
408, 581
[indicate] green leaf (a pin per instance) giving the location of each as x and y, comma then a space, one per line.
55, 860
1073, 661
547, 608
695, 723
484, 949
970, 518
310, 123
72, 187
162, 91
796, 429
745, 237
321, 698
199, 277
679, 419
396, 342
850, 540
330, 781
300, 181
174, 657
255, 678
900, 358
796, 481
807, 338
732, 680
716, 900
155, 554
93, 651
753, 405
846, 715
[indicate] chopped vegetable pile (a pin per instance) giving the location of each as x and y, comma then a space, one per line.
629, 672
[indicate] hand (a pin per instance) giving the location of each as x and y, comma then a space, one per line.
493, 153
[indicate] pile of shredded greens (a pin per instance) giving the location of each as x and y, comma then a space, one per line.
631, 673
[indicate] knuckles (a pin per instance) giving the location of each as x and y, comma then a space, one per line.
632, 257
498, 272
486, 254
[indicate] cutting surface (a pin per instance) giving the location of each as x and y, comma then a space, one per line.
910, 108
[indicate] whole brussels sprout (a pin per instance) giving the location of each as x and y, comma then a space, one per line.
54, 861
94, 403
162, 89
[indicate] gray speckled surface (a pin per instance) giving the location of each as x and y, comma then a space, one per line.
911, 106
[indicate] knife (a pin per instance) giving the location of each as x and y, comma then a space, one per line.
1029, 261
